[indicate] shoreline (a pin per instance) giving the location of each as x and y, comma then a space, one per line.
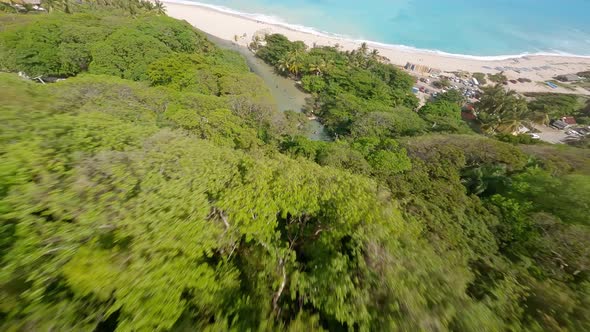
277, 21
240, 28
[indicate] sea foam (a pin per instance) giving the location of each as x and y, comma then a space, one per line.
278, 21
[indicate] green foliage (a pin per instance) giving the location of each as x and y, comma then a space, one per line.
341, 155
501, 111
178, 36
369, 155
444, 116
109, 165
514, 227
175, 71
485, 180
57, 45
202, 74
347, 114
553, 106
391, 75
517, 139
560, 160
452, 96
127, 7
560, 247
385, 156
391, 123
65, 45
480, 77
444, 83
460, 192
127, 54
277, 47
313, 84
508, 230
498, 78
346, 85
565, 197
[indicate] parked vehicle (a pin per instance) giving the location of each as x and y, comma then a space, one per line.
534, 136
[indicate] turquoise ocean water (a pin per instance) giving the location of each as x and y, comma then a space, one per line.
465, 27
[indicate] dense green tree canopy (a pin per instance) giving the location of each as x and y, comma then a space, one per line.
59, 45
452, 96
65, 45
444, 116
127, 53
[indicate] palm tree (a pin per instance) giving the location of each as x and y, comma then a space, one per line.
364, 49
318, 67
374, 54
293, 62
159, 7
501, 111
148, 5
283, 65
66, 6
355, 58
315, 68
295, 67
485, 179
507, 125
256, 43
540, 118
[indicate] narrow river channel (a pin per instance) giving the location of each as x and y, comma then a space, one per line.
283, 90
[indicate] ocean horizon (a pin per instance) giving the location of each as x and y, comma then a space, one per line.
474, 29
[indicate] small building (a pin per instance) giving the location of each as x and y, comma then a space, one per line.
468, 113
468, 116
570, 120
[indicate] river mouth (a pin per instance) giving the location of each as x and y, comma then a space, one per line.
287, 96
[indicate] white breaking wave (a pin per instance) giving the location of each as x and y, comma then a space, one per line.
273, 20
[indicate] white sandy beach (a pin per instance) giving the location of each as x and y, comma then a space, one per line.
537, 68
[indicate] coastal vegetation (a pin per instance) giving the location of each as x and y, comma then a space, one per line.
501, 111
558, 105
480, 77
498, 78
345, 86
156, 187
